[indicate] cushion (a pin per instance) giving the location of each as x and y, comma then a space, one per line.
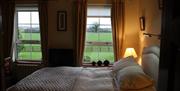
124, 62
152, 49
133, 77
150, 65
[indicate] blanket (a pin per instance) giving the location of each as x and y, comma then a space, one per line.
66, 79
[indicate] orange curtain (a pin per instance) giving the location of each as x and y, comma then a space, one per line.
43, 15
80, 30
117, 16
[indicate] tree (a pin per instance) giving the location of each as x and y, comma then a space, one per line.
95, 27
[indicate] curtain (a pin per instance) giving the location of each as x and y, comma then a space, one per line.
117, 16
43, 15
8, 26
8, 11
81, 15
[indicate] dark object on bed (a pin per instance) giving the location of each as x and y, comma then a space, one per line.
61, 57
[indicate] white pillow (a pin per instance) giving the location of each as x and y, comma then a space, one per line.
150, 65
152, 49
124, 62
133, 77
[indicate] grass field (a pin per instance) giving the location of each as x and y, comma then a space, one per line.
103, 37
30, 55
95, 53
28, 36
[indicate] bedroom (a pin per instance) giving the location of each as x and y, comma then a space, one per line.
133, 10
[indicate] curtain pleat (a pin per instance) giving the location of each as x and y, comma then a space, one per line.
8, 26
43, 15
8, 11
117, 17
81, 15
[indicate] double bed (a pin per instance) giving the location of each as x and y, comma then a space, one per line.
124, 75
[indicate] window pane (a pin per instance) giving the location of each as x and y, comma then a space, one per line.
24, 32
98, 42
105, 21
35, 17
100, 36
29, 52
101, 10
92, 20
95, 53
23, 17
35, 32
29, 33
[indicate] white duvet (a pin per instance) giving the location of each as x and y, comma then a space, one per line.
67, 79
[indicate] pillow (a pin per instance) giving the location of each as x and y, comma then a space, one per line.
152, 49
133, 77
150, 65
124, 62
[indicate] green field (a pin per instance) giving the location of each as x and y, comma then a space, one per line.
103, 37
94, 53
30, 36
30, 55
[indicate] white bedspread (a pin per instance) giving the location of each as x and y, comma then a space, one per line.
66, 79
95, 79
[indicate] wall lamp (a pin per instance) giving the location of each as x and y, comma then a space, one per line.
152, 35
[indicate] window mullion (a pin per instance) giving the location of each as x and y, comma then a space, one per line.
31, 33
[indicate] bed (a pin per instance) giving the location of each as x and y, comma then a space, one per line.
124, 75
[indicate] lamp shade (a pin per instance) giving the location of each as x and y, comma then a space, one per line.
130, 52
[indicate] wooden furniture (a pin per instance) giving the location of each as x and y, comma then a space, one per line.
1, 52
169, 73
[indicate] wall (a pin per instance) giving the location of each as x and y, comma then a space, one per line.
131, 25
133, 10
133, 35
64, 39
60, 39
150, 10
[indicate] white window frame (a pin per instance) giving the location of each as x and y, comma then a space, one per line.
90, 43
24, 8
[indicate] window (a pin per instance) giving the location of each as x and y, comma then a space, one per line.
98, 43
27, 34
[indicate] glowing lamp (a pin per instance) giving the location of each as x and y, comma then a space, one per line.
130, 52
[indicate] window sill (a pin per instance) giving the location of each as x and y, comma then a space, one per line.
90, 65
28, 62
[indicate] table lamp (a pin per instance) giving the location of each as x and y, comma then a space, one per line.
130, 52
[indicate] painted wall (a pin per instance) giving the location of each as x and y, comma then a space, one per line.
60, 39
150, 10
131, 25
133, 35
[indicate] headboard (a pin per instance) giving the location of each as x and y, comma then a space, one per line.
150, 62
61, 57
